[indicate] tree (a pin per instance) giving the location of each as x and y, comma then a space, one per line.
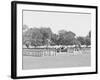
24, 28
27, 43
27, 37
37, 37
54, 39
46, 32
81, 40
88, 39
66, 38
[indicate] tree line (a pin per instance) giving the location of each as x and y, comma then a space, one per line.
44, 36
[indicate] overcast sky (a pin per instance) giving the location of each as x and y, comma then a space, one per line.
80, 24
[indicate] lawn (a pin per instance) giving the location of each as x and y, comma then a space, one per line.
58, 61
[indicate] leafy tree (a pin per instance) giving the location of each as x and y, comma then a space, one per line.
27, 43
54, 39
27, 36
88, 39
36, 37
46, 32
44, 36
81, 40
25, 27
66, 38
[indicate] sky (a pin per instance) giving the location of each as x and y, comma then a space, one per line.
78, 23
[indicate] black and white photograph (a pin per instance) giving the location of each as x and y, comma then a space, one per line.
54, 39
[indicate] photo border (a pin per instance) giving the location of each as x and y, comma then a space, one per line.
14, 38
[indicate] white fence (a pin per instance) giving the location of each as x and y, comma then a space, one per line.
39, 52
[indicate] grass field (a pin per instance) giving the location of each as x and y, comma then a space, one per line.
58, 61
